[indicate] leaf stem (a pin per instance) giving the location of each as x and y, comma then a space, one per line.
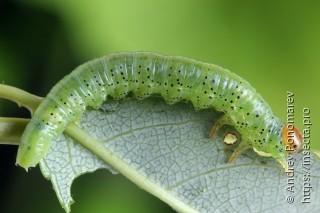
11, 130
21, 97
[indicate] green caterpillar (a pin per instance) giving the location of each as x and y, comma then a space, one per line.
174, 78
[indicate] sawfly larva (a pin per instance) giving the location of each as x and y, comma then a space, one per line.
175, 78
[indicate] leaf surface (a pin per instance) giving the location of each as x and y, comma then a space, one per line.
168, 146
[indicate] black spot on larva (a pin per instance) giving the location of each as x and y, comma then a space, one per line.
148, 69
248, 113
238, 97
257, 115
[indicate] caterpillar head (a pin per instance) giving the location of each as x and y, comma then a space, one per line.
292, 138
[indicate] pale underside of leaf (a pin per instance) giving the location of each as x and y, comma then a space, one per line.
168, 145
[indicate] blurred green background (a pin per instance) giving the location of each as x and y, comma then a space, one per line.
273, 44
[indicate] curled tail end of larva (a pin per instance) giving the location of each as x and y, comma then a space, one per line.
33, 147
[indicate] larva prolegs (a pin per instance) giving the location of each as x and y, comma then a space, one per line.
110, 106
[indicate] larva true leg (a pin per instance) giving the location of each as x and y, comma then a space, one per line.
223, 120
242, 147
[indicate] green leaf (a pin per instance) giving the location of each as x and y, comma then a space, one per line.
165, 150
